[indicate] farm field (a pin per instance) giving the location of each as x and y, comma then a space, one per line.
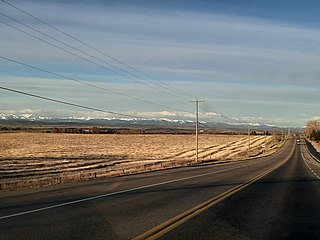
47, 155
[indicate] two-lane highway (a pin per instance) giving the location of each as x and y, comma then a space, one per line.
283, 205
126, 207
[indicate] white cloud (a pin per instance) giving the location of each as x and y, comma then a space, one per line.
246, 49
251, 119
86, 115
212, 114
208, 51
164, 114
315, 118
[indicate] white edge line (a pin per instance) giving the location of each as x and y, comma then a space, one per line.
305, 161
111, 194
116, 193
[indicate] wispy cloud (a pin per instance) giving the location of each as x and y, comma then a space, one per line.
166, 114
246, 65
215, 46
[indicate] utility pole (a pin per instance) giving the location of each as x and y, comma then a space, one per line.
197, 125
249, 139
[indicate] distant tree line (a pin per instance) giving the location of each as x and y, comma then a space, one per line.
313, 130
95, 130
254, 133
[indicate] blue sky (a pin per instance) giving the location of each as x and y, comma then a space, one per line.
254, 61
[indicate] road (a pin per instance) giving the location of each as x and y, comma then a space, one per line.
282, 204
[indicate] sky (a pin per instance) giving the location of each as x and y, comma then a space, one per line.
249, 61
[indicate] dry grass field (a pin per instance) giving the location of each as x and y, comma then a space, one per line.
45, 155
316, 145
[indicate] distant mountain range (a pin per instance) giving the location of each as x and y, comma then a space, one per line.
31, 120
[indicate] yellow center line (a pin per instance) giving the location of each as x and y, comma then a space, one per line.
167, 226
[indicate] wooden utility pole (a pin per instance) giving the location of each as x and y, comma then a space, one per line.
249, 139
197, 125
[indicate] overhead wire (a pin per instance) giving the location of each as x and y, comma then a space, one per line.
88, 84
87, 54
83, 58
219, 113
76, 49
74, 104
92, 85
67, 103
168, 86
65, 44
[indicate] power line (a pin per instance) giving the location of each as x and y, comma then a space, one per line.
171, 88
83, 58
90, 55
67, 103
74, 48
204, 125
86, 59
220, 113
72, 104
88, 84
65, 44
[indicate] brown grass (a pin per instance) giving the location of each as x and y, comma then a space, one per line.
38, 155
316, 145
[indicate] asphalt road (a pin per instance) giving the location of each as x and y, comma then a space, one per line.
284, 203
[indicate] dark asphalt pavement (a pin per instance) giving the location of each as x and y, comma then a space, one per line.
284, 203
